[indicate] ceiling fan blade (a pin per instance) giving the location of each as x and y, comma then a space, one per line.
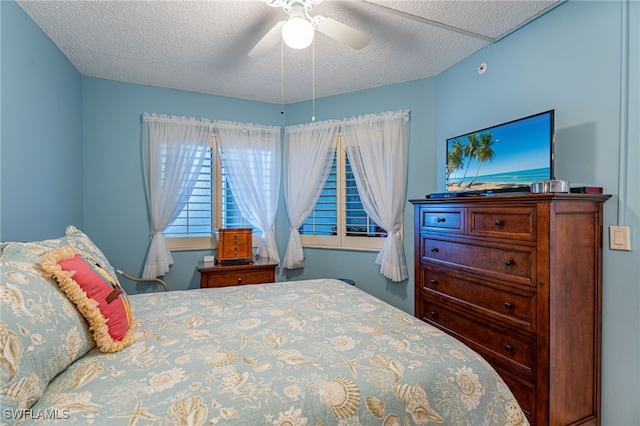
266, 43
341, 32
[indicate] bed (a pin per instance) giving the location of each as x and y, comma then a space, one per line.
313, 352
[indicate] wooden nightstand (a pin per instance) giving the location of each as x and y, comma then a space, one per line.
260, 271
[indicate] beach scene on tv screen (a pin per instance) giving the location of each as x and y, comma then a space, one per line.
505, 157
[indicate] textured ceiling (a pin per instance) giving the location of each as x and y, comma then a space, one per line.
202, 46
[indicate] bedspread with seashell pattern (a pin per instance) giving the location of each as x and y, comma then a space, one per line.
314, 352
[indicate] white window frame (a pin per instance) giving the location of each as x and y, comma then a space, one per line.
210, 243
341, 240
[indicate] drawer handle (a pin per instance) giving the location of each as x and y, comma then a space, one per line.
239, 280
508, 347
508, 262
497, 222
508, 305
441, 219
434, 314
432, 281
435, 249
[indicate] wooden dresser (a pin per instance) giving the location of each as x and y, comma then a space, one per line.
214, 275
518, 278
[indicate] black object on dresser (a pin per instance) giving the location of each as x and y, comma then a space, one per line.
518, 278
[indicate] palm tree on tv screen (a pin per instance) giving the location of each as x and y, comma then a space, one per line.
455, 159
470, 153
483, 152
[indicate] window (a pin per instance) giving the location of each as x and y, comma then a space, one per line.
195, 219
210, 206
230, 215
338, 219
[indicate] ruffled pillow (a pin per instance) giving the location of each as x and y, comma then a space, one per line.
96, 294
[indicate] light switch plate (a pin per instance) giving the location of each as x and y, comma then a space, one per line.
619, 238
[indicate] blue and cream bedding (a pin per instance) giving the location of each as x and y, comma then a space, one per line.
315, 352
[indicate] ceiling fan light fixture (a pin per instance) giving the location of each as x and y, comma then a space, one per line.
297, 32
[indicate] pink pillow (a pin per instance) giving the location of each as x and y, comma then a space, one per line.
97, 295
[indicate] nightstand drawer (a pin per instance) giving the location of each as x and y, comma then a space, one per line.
261, 271
237, 278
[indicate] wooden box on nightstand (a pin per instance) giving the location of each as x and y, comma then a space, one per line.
234, 246
259, 271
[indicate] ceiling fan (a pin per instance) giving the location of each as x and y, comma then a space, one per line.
298, 30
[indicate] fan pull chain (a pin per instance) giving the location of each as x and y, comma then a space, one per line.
313, 80
281, 77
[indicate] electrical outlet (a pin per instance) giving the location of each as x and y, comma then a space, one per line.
619, 238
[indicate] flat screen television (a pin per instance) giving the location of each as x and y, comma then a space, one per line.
507, 157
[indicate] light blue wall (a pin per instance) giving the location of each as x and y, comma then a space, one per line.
569, 59
41, 172
115, 202
418, 97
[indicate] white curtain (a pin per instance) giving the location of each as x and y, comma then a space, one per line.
174, 149
309, 152
251, 158
378, 146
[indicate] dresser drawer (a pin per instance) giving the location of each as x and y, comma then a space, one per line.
511, 305
513, 263
524, 392
515, 352
444, 219
517, 223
